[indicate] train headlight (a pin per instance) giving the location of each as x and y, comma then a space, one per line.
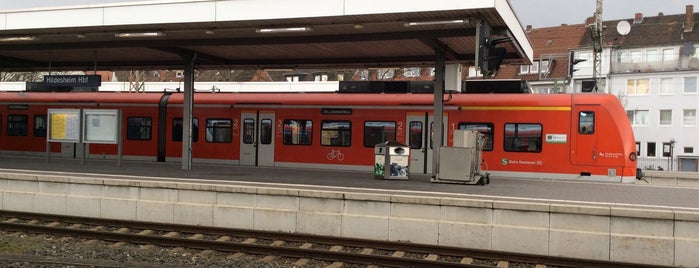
632, 156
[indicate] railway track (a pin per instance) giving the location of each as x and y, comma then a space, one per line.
269, 245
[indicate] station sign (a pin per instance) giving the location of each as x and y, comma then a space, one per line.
73, 80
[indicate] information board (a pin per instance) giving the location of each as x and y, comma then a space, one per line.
101, 126
64, 125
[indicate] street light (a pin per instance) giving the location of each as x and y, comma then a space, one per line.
672, 146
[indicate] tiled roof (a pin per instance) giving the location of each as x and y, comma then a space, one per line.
659, 30
549, 43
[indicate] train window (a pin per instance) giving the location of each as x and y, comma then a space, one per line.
336, 133
17, 125
266, 131
415, 137
248, 131
586, 122
523, 138
40, 125
177, 129
376, 132
138, 128
484, 128
219, 130
298, 132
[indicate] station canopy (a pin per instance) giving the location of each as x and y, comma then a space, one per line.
255, 34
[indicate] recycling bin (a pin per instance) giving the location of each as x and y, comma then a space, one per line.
391, 160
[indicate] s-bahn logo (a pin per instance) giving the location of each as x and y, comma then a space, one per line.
504, 161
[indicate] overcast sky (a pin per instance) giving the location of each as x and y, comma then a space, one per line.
538, 13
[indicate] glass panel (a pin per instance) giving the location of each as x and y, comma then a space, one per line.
651, 149
40, 126
690, 85
219, 130
378, 132
586, 121
666, 86
523, 138
266, 131
484, 128
642, 86
248, 131
17, 125
665, 117
138, 128
690, 117
415, 137
336, 133
298, 132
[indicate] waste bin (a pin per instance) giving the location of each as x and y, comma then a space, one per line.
391, 160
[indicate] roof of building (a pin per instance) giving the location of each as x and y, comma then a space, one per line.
551, 43
658, 30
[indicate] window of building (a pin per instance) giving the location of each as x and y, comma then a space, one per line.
40, 125
689, 117
484, 128
652, 55
363, 74
638, 117
376, 132
139, 128
473, 72
688, 150
666, 87
536, 67
524, 69
668, 54
637, 87
385, 74
666, 149
336, 133
638, 148
411, 72
690, 85
320, 77
17, 125
523, 138
219, 130
544, 66
177, 127
586, 122
415, 137
636, 56
298, 132
650, 147
665, 117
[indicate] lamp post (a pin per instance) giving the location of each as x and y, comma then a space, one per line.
672, 147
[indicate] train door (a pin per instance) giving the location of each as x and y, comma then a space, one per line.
419, 139
584, 134
257, 138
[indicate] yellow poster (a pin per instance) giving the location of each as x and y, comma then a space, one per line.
58, 126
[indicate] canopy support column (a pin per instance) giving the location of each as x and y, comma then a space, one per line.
437, 129
187, 111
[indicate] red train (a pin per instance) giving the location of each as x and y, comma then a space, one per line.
583, 137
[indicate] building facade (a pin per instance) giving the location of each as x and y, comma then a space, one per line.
652, 65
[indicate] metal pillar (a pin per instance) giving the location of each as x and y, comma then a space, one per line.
439, 68
187, 111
